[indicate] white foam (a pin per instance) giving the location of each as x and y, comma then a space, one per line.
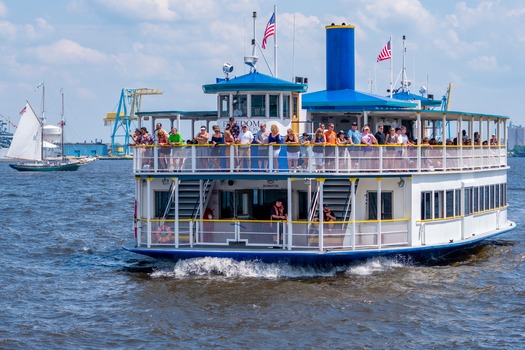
246, 269
373, 266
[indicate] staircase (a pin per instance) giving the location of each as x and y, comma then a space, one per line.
337, 196
189, 197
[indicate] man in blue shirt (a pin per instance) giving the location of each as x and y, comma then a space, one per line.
354, 134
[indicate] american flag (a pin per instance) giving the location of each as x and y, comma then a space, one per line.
385, 53
269, 31
22, 111
61, 123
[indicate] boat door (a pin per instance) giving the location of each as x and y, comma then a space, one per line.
243, 204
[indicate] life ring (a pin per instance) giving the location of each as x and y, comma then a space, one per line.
163, 234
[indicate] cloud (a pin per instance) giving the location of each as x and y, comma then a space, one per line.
142, 9
7, 30
3, 9
66, 51
40, 29
486, 64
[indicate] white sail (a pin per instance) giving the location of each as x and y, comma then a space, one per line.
27, 142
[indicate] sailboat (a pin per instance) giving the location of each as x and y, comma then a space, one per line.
28, 144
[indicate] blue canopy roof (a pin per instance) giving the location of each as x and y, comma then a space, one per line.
345, 100
253, 82
425, 102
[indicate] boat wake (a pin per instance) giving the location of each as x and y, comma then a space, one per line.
224, 267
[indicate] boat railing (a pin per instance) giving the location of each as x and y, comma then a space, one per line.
349, 235
314, 158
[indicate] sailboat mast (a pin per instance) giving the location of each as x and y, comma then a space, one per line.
42, 118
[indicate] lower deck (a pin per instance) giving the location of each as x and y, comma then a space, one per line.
384, 213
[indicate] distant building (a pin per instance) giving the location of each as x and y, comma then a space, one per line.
85, 149
516, 137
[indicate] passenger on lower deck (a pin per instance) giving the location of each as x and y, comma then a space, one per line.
278, 211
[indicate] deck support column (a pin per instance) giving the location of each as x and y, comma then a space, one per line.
138, 211
321, 213
352, 213
444, 141
177, 233
460, 143
379, 236
419, 135
148, 210
290, 211
200, 226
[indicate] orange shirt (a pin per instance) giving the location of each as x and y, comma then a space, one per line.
330, 137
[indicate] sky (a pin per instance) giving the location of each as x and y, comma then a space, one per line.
93, 48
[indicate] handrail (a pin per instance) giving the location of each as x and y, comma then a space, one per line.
356, 159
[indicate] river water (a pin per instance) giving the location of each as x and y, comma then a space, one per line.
67, 284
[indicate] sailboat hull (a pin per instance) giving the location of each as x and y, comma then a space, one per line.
45, 167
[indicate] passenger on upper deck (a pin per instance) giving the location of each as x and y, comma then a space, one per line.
274, 139
493, 140
217, 140
228, 141
164, 149
292, 150
354, 134
177, 151
202, 149
319, 142
380, 135
158, 127
262, 139
304, 140
233, 128
330, 137
341, 145
137, 137
244, 140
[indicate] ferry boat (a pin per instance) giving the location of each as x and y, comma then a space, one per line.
425, 199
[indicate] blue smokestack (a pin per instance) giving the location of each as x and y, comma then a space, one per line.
340, 57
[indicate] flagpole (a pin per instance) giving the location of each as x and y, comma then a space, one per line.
391, 66
275, 42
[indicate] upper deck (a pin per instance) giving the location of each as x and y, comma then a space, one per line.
361, 160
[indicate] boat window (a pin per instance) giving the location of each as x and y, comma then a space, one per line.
457, 206
481, 198
227, 205
492, 196
504, 191
161, 202
476, 199
468, 201
438, 204
240, 106
295, 107
386, 205
258, 106
426, 210
497, 195
274, 106
487, 198
449, 204
225, 106
286, 106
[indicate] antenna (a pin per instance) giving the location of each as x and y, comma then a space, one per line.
252, 60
